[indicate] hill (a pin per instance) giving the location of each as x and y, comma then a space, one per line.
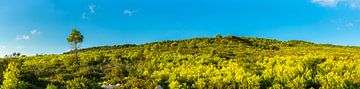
220, 62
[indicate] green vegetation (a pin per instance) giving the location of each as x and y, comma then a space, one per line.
219, 62
12, 78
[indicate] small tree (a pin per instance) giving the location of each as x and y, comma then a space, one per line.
229, 37
14, 55
218, 36
75, 39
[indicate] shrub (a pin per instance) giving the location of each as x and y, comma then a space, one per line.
82, 83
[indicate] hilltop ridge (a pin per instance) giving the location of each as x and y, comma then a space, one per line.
249, 41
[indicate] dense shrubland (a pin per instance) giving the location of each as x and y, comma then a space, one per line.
220, 62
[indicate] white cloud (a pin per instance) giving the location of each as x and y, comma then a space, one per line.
92, 8
23, 37
326, 3
35, 32
129, 12
355, 4
349, 25
32, 33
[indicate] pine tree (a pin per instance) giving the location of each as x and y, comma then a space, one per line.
74, 39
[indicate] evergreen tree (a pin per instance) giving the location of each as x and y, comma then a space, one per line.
75, 39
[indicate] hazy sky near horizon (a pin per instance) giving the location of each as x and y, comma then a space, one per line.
41, 26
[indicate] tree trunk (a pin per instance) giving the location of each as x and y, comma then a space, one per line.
75, 49
76, 56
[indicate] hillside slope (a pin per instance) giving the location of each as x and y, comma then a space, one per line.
221, 62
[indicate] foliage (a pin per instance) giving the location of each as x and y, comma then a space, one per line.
51, 86
12, 78
81, 83
75, 37
200, 63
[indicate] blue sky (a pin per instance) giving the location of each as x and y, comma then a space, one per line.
41, 26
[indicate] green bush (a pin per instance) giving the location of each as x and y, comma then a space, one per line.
51, 86
82, 83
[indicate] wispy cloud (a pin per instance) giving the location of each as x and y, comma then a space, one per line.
355, 4
326, 3
129, 12
35, 32
23, 37
92, 8
349, 25
32, 33
345, 24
